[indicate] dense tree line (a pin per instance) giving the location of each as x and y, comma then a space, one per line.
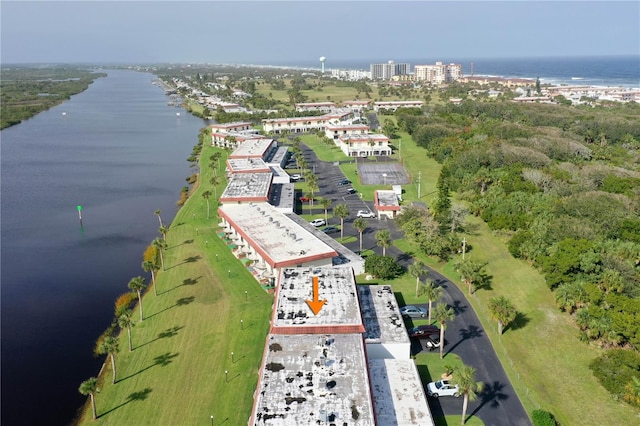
562, 184
27, 91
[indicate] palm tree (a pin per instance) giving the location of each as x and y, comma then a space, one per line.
110, 347
501, 309
149, 266
90, 387
125, 321
312, 184
157, 213
416, 269
215, 181
160, 245
468, 387
163, 231
206, 195
442, 313
360, 224
383, 237
326, 203
432, 292
137, 284
342, 211
470, 272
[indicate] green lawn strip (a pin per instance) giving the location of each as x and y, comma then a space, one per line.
325, 152
175, 374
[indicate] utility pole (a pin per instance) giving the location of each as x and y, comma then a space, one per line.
464, 247
419, 179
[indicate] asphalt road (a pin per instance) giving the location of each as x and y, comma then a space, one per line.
497, 404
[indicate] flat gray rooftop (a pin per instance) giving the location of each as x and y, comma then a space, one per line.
245, 186
381, 315
252, 148
387, 198
314, 380
336, 285
279, 240
398, 393
244, 165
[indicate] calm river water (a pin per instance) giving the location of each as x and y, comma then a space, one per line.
120, 152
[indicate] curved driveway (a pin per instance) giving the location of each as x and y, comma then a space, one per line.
497, 404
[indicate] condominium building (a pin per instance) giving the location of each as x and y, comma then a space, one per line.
438, 73
388, 70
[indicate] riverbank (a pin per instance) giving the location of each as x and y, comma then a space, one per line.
208, 306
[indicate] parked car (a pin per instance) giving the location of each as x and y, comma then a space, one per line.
413, 312
331, 230
296, 177
351, 191
344, 182
318, 222
442, 388
365, 213
423, 330
305, 199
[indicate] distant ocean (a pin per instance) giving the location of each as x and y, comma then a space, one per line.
594, 71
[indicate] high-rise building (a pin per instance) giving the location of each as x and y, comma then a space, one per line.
438, 73
388, 70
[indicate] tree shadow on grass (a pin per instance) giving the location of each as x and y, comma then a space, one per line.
180, 302
186, 281
181, 244
190, 259
520, 321
161, 360
135, 396
169, 332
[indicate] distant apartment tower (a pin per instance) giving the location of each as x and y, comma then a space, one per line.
438, 73
388, 70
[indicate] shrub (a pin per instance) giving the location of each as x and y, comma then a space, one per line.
383, 267
123, 302
543, 418
615, 370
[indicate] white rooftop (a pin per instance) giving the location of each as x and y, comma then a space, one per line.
381, 315
244, 165
252, 148
313, 380
387, 198
278, 239
398, 393
247, 187
336, 285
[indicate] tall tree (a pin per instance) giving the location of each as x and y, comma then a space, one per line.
416, 269
110, 346
442, 313
125, 321
312, 184
502, 310
215, 181
157, 213
470, 272
326, 203
137, 284
150, 266
360, 224
469, 388
342, 211
163, 231
383, 238
160, 245
206, 195
432, 292
90, 387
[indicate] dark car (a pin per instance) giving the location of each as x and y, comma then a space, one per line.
344, 182
331, 230
351, 191
423, 331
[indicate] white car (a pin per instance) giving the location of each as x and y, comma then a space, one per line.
442, 388
365, 213
318, 222
296, 177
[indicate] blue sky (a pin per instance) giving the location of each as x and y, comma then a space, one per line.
249, 32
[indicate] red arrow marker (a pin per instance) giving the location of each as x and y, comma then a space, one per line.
315, 304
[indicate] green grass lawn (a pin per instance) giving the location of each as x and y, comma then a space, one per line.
176, 373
